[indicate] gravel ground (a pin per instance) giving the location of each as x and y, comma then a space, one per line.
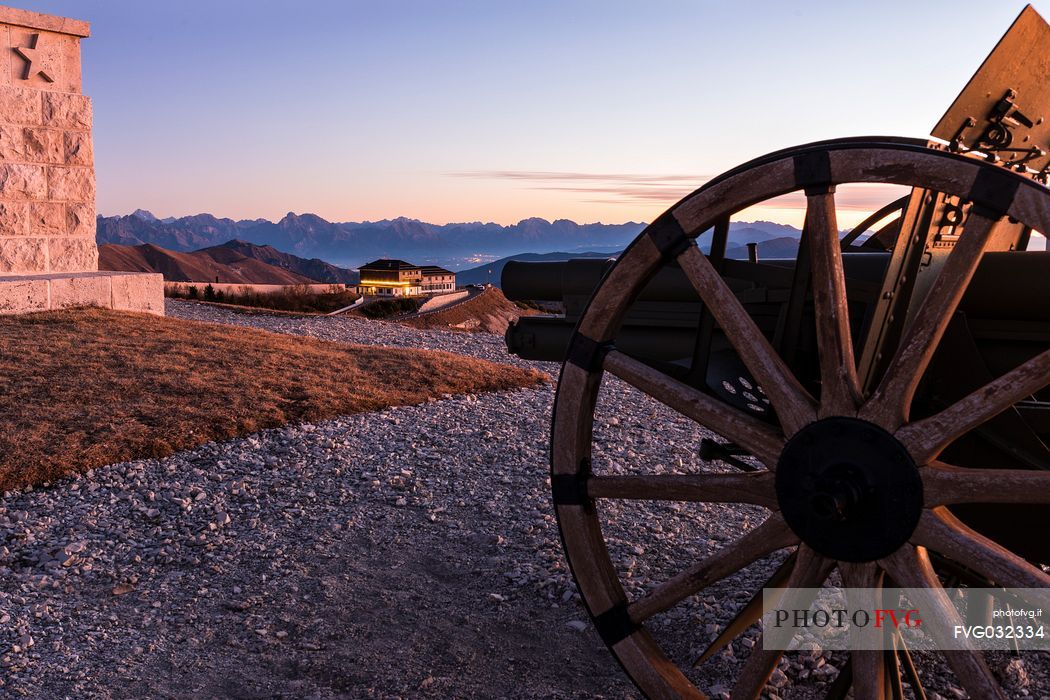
406, 553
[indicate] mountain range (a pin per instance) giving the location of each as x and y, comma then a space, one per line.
350, 244
769, 246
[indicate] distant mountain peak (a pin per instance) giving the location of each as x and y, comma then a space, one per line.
304, 219
144, 214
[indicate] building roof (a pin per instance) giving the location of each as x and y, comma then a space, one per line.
389, 264
435, 270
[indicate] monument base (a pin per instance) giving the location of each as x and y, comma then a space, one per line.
123, 291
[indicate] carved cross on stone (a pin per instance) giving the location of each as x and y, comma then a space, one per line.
38, 60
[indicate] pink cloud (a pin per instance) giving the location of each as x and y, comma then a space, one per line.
634, 188
620, 188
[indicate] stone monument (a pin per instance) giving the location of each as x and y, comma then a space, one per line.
48, 255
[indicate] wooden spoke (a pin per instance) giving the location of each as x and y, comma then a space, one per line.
925, 439
910, 567
840, 687
943, 484
908, 665
792, 403
869, 674
942, 532
840, 392
810, 571
756, 672
750, 613
869, 667
771, 535
894, 687
760, 439
891, 401
750, 487
895, 206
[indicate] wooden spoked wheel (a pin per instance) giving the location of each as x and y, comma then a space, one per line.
927, 485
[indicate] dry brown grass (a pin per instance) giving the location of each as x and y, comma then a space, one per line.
86, 388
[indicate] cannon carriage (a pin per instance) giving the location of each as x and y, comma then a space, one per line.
883, 393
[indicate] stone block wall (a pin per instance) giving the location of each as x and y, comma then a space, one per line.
47, 175
48, 256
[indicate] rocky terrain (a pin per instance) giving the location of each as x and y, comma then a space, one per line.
406, 553
488, 312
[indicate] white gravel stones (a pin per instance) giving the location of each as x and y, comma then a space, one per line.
403, 553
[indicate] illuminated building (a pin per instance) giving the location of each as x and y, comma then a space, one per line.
397, 278
436, 280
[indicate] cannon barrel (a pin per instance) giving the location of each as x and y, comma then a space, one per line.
662, 323
547, 337
558, 281
550, 281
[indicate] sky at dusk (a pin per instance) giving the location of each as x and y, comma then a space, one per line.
497, 111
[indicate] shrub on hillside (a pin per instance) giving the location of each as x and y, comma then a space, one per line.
298, 297
386, 308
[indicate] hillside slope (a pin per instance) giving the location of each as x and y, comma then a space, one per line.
231, 267
313, 268
489, 312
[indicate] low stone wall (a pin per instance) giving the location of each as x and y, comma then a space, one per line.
442, 300
124, 291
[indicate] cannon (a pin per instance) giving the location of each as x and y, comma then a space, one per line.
882, 394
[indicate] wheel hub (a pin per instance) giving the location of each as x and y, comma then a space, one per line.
849, 489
